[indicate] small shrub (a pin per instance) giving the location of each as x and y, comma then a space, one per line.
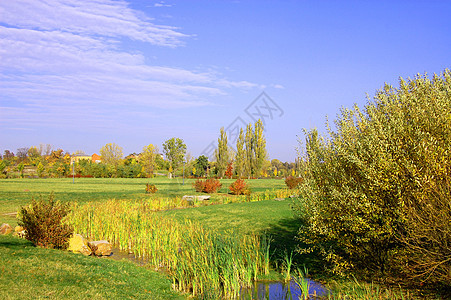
151, 188
209, 185
239, 187
43, 224
293, 182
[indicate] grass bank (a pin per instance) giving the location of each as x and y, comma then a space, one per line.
28, 272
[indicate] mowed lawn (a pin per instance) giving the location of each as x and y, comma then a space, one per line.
15, 193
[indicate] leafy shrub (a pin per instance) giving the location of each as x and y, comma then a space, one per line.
209, 185
43, 224
293, 182
239, 187
378, 186
151, 188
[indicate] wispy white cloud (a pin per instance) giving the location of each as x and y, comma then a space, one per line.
162, 4
62, 58
91, 17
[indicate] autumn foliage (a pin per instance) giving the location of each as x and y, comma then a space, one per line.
151, 188
293, 182
43, 223
209, 185
239, 187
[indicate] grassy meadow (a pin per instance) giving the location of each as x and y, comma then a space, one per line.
15, 193
239, 223
219, 245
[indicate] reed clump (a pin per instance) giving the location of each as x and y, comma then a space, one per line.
200, 261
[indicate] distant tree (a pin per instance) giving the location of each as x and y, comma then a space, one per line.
229, 171
147, 159
45, 150
22, 154
3, 165
190, 162
8, 155
222, 154
240, 155
21, 167
55, 155
79, 152
201, 165
249, 160
260, 153
34, 155
111, 154
40, 169
255, 154
174, 150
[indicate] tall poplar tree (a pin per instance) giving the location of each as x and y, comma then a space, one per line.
249, 160
260, 153
222, 153
240, 155
254, 151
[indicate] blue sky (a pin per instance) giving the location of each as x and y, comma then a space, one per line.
80, 74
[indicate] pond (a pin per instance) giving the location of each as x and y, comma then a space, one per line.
280, 291
261, 290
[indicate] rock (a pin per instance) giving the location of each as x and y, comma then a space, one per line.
18, 229
85, 250
78, 244
279, 199
101, 248
199, 198
5, 229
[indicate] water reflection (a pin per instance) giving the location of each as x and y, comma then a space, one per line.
280, 291
261, 290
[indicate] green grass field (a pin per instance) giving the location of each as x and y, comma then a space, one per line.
27, 272
271, 217
15, 193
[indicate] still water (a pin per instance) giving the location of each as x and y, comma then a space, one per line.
280, 291
261, 290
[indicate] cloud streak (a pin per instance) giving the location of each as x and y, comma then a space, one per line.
59, 55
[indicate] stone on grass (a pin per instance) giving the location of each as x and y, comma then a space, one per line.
5, 229
18, 229
279, 199
101, 248
199, 198
78, 244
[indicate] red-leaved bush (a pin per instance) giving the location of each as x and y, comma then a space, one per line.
209, 185
239, 187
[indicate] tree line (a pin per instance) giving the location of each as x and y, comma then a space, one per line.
250, 160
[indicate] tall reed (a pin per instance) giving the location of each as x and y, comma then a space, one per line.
200, 260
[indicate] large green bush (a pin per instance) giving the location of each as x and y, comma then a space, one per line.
43, 223
376, 194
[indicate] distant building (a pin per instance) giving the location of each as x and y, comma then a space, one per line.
96, 158
93, 158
